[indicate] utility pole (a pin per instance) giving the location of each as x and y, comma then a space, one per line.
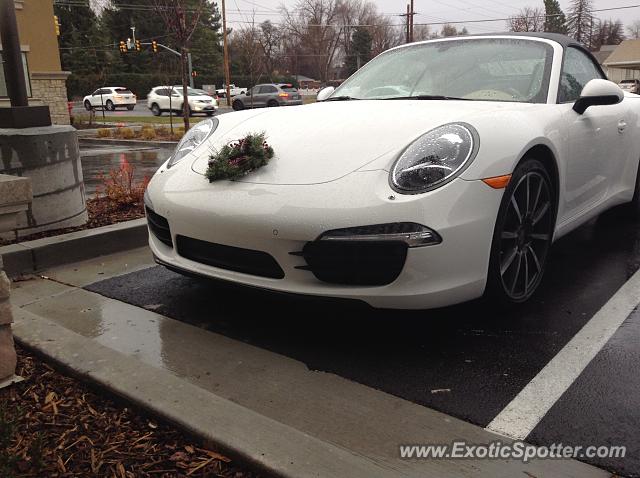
411, 24
225, 48
407, 30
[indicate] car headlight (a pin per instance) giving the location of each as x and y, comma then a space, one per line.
192, 139
435, 158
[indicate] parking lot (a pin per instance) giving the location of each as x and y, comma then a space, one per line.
469, 361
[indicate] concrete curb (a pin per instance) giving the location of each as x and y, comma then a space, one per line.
240, 432
31, 256
125, 142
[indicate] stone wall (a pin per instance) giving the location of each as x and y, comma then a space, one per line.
52, 92
7, 350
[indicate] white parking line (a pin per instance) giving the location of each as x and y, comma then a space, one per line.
533, 402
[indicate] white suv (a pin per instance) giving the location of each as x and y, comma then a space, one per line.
166, 98
110, 98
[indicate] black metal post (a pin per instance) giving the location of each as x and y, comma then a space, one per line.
11, 55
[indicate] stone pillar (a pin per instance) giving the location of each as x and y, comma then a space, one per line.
7, 350
15, 197
50, 157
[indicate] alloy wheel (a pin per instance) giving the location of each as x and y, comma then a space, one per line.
526, 235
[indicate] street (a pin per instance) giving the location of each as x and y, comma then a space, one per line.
468, 361
139, 110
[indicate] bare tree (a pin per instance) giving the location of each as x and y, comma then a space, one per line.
314, 26
634, 30
181, 18
527, 20
421, 32
245, 45
270, 40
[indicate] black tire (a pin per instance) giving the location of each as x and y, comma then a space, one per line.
272, 103
237, 105
155, 110
110, 106
522, 235
87, 106
130, 107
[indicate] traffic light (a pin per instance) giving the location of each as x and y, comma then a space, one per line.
123, 46
138, 45
56, 22
194, 73
154, 46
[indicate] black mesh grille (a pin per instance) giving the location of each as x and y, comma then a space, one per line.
355, 262
159, 226
236, 259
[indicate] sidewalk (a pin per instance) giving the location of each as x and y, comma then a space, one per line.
265, 408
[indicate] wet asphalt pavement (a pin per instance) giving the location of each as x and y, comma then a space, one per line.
469, 361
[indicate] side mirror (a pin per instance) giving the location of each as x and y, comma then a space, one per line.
324, 93
598, 92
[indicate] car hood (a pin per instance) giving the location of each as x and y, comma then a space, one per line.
322, 142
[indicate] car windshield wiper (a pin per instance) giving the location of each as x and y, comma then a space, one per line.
426, 97
341, 98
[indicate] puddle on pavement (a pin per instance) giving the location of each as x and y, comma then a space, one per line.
100, 159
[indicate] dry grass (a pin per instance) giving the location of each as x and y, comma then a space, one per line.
104, 133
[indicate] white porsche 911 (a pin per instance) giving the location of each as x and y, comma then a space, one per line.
440, 171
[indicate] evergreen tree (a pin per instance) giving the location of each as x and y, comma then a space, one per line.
82, 44
555, 20
580, 21
206, 44
360, 49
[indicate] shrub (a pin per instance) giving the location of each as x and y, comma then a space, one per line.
148, 133
162, 131
104, 133
120, 186
123, 133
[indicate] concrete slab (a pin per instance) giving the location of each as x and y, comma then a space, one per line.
98, 268
191, 375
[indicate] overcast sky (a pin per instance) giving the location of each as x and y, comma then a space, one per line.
429, 11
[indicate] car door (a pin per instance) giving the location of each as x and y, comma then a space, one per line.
94, 99
596, 139
257, 99
271, 93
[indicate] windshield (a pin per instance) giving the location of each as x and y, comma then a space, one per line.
123, 91
491, 69
190, 91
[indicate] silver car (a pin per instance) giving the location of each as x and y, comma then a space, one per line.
269, 94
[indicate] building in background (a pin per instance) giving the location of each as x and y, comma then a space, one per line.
624, 62
38, 40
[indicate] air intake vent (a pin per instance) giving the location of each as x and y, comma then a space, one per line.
236, 259
355, 262
159, 226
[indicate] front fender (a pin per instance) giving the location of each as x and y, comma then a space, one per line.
505, 139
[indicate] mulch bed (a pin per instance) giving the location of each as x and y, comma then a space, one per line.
102, 212
51, 426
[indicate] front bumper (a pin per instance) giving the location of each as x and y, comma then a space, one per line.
203, 108
280, 220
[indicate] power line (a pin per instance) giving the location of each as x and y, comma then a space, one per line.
83, 3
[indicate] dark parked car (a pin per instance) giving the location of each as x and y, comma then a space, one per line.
271, 94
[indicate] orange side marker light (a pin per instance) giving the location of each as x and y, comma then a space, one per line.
498, 182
